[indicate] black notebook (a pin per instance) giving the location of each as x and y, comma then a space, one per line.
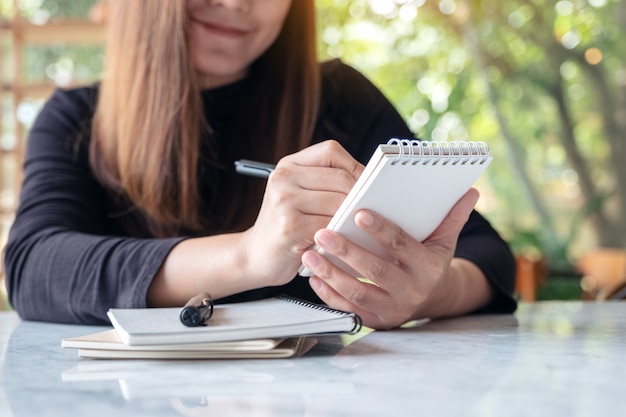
278, 317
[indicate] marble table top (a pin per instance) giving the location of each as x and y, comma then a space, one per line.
549, 359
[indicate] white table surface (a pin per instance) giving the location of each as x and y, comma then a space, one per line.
549, 359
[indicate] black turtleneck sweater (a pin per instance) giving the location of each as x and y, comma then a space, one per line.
68, 259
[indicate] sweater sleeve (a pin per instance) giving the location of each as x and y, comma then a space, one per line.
364, 117
65, 261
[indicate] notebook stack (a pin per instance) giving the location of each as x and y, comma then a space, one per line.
279, 327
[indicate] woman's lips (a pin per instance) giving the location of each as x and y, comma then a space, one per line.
223, 30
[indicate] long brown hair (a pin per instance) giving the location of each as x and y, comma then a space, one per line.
149, 118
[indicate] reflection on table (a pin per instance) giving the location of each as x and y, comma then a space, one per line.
551, 358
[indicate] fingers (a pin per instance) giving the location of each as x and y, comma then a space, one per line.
404, 250
327, 154
397, 286
315, 180
386, 273
459, 214
376, 307
330, 180
343, 292
401, 246
447, 233
363, 299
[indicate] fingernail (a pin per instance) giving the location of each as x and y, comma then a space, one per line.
310, 260
366, 218
325, 239
315, 283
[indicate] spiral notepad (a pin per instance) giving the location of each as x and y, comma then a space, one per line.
411, 183
278, 317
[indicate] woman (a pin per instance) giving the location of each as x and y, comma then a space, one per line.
130, 198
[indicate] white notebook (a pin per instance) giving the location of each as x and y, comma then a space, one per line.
278, 317
411, 183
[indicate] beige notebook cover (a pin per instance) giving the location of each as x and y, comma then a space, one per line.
414, 184
108, 345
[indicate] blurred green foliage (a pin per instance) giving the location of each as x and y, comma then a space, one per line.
560, 288
43, 10
543, 83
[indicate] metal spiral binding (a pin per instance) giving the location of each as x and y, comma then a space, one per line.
357, 320
445, 153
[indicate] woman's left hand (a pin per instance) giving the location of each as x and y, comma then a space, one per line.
420, 282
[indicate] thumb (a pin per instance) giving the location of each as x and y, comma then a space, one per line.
448, 231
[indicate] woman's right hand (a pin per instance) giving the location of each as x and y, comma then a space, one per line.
301, 196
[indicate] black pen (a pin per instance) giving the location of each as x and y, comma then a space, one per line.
197, 311
253, 168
